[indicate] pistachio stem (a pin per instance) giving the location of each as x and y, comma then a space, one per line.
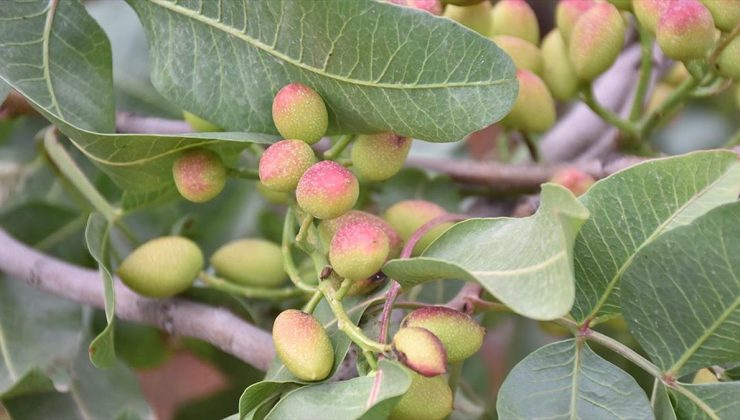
338, 147
371, 360
249, 292
303, 231
588, 97
531, 146
646, 68
288, 263
243, 173
343, 289
648, 124
313, 302
455, 375
723, 43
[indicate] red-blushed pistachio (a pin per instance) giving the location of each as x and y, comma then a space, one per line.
648, 12
426, 398
250, 262
677, 75
162, 267
420, 350
558, 73
534, 108
432, 6
577, 181
728, 63
515, 18
327, 190
567, 14
461, 336
686, 30
299, 113
358, 250
283, 163
199, 124
199, 175
272, 196
596, 40
622, 4
377, 157
524, 54
328, 228
302, 345
726, 13
705, 376
475, 16
407, 216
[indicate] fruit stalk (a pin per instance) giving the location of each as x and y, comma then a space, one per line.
288, 263
338, 147
249, 292
646, 68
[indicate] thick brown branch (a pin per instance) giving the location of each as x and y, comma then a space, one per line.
176, 316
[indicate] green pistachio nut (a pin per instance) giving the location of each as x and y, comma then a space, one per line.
199, 175
426, 398
358, 250
302, 345
272, 196
406, 217
420, 350
686, 31
648, 12
327, 190
162, 267
475, 16
328, 228
461, 336
728, 63
596, 40
283, 163
250, 262
299, 113
726, 13
199, 124
622, 4
558, 74
377, 157
534, 108
515, 18
577, 181
567, 14
524, 54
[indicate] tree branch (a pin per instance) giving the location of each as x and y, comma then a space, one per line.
175, 316
127, 122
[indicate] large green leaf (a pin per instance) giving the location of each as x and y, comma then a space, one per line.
632, 208
348, 399
526, 263
39, 334
567, 380
64, 70
708, 401
379, 67
102, 349
681, 295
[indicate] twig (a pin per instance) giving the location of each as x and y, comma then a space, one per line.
127, 122
176, 316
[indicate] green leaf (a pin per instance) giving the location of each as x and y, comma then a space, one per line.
39, 334
64, 70
256, 396
4, 91
632, 208
662, 403
102, 349
567, 380
708, 401
346, 399
379, 67
681, 295
525, 263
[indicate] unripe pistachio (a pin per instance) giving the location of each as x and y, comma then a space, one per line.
726, 13
377, 157
596, 40
686, 30
567, 14
516, 18
328, 228
199, 174
199, 124
426, 398
302, 345
648, 12
677, 75
327, 190
299, 113
534, 108
524, 54
462, 2
461, 336
162, 267
622, 4
704, 376
358, 250
475, 16
272, 196
577, 181
407, 216
420, 350
250, 262
432, 6
283, 163
728, 63
558, 73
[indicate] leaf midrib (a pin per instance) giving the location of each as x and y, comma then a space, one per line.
6, 354
184, 11
523, 270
